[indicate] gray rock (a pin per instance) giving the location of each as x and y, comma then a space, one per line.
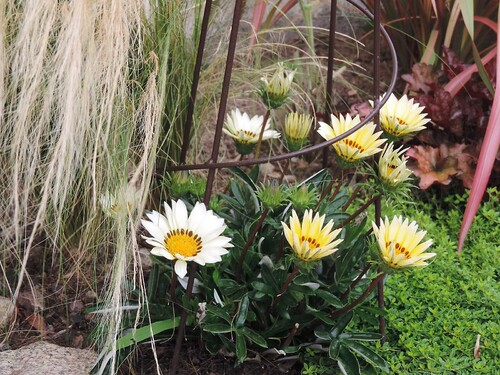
6, 309
45, 358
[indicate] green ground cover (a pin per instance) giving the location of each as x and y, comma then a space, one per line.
435, 314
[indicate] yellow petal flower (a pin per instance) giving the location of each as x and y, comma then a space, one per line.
392, 167
297, 128
401, 118
309, 239
182, 237
400, 243
359, 145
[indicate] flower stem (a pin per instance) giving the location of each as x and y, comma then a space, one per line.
344, 310
358, 211
355, 282
182, 325
249, 242
285, 286
259, 142
381, 318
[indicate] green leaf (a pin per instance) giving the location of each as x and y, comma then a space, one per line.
334, 349
368, 355
329, 298
322, 334
360, 336
238, 172
241, 346
254, 336
219, 312
217, 328
348, 257
341, 324
348, 363
467, 9
146, 332
243, 311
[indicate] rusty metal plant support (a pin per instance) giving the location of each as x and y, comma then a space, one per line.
212, 165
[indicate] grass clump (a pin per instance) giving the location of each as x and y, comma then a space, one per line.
435, 316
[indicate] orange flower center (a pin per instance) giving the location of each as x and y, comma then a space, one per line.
183, 242
310, 241
354, 144
400, 249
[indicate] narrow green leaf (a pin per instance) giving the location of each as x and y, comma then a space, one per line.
217, 328
341, 324
219, 312
146, 332
254, 336
348, 363
241, 347
360, 336
368, 355
243, 311
329, 298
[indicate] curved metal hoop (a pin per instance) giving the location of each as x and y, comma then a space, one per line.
378, 105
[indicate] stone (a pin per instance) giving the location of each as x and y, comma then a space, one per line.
45, 358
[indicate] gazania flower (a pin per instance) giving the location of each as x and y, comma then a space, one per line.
401, 118
392, 167
359, 145
400, 243
183, 238
297, 128
246, 130
275, 91
311, 240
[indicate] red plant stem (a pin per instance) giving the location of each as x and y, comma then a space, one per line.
173, 286
328, 189
281, 247
182, 324
249, 242
259, 142
354, 193
358, 211
355, 282
344, 310
285, 286
292, 333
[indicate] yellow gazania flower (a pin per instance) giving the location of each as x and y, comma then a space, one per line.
392, 167
359, 145
183, 238
401, 118
399, 243
310, 240
275, 91
297, 128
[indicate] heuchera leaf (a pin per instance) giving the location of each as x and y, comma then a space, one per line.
486, 160
422, 78
440, 164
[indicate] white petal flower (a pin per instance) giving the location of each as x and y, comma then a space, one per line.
246, 130
184, 238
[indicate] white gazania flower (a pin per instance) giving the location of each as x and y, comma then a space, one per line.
359, 145
392, 167
183, 238
401, 118
310, 240
246, 130
399, 243
297, 128
275, 91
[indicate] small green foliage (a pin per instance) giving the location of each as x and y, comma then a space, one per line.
303, 197
435, 315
